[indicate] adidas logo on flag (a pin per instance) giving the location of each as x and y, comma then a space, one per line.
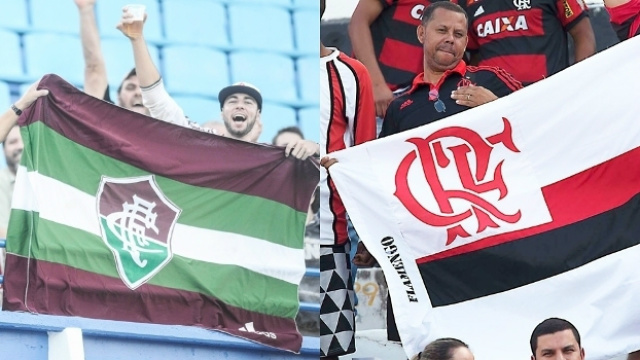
479, 12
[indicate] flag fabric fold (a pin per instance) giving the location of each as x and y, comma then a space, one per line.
494, 219
120, 216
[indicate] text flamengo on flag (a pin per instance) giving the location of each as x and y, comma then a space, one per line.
177, 226
494, 219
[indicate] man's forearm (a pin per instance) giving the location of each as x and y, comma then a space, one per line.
146, 70
95, 74
362, 44
584, 40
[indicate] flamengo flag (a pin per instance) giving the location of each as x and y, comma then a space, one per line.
119, 216
522, 209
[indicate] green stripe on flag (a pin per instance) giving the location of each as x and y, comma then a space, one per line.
231, 284
235, 212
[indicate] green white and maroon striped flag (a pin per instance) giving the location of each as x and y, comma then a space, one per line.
119, 216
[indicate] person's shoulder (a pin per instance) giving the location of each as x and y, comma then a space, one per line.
349, 60
355, 64
6, 176
489, 71
397, 102
489, 75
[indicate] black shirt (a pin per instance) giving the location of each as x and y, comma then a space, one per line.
420, 106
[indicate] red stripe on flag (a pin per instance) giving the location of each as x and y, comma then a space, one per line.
581, 196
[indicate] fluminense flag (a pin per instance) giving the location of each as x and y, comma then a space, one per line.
513, 212
119, 216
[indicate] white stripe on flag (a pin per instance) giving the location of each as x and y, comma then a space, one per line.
58, 202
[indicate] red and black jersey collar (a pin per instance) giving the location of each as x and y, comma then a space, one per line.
419, 81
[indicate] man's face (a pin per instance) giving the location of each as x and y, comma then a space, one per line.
239, 113
13, 147
561, 345
444, 39
130, 96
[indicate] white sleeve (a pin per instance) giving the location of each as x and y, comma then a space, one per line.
161, 106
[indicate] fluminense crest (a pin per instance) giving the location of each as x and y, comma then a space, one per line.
136, 223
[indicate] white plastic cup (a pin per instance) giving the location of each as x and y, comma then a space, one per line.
137, 11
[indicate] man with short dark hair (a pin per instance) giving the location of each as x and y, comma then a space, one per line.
556, 338
447, 85
383, 37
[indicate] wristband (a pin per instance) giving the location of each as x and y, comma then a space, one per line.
16, 110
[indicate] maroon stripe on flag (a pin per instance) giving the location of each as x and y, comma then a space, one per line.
581, 196
186, 155
57, 289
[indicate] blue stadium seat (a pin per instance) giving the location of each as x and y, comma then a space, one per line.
5, 96
275, 117
109, 12
310, 123
11, 64
14, 15
194, 70
199, 109
273, 73
200, 22
306, 24
60, 54
118, 58
54, 16
260, 27
309, 78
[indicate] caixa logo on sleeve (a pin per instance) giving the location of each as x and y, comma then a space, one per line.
467, 159
136, 223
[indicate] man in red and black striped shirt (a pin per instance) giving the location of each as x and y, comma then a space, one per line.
383, 37
528, 38
625, 17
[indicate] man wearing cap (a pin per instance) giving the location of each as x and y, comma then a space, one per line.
241, 106
240, 103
